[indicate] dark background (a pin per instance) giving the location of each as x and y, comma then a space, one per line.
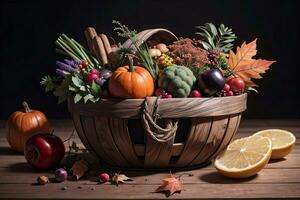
28, 30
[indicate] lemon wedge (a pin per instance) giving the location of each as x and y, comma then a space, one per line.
282, 141
244, 157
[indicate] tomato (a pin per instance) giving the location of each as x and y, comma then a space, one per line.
85, 63
236, 84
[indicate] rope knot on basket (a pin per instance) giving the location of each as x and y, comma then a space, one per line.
150, 116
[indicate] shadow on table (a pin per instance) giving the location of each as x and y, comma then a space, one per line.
8, 151
217, 178
277, 160
22, 167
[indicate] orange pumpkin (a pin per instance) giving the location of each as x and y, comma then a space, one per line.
131, 82
22, 124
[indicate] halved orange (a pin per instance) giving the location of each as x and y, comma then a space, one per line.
282, 141
244, 157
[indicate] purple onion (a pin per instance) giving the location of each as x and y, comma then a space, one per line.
106, 74
61, 175
101, 81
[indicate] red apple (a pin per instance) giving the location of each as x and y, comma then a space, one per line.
44, 150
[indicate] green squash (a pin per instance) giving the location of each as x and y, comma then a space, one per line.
177, 79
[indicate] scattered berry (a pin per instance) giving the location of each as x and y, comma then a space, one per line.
61, 175
42, 180
160, 92
226, 87
195, 93
85, 63
104, 177
168, 96
229, 93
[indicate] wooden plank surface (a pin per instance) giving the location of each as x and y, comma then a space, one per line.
279, 180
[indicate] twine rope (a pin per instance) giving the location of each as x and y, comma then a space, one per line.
150, 116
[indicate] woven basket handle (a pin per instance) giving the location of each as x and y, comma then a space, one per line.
149, 122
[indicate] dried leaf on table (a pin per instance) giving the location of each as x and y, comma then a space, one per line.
170, 186
79, 168
120, 178
243, 64
42, 180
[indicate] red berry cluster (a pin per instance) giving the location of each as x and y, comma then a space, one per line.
233, 87
163, 94
83, 66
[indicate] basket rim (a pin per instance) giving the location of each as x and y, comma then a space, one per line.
167, 108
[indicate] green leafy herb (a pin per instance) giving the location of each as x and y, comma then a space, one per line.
62, 90
198, 70
141, 48
49, 82
221, 63
216, 39
96, 89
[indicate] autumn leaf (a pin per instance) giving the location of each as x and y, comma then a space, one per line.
170, 186
245, 66
79, 168
120, 178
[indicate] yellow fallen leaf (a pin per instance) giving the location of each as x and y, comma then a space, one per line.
120, 178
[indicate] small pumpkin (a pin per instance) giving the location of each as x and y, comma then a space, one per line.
22, 124
131, 82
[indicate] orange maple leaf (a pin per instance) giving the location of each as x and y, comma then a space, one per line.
170, 185
243, 65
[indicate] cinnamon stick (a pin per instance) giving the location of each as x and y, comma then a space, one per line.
99, 50
106, 43
90, 33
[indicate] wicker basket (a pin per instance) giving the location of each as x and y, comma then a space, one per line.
157, 133
113, 130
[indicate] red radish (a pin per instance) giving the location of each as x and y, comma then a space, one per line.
44, 151
94, 71
91, 77
195, 94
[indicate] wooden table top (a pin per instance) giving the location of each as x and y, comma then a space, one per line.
280, 179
